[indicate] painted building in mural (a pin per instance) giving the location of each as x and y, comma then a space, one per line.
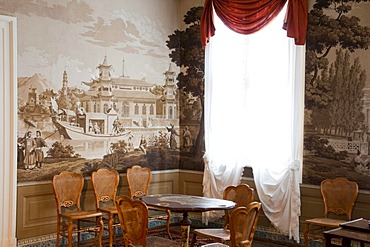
115, 106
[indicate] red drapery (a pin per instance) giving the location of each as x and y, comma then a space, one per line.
249, 16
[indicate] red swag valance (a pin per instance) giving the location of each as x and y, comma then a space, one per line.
249, 16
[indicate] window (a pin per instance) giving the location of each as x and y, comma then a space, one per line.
254, 117
144, 110
105, 108
136, 109
125, 109
96, 107
170, 112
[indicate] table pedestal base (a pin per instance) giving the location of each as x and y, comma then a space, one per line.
185, 229
180, 203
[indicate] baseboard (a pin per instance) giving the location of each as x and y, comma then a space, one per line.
44, 240
8, 242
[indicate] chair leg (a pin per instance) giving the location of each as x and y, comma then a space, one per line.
58, 232
78, 232
127, 243
324, 242
110, 229
305, 235
193, 240
69, 230
101, 228
168, 221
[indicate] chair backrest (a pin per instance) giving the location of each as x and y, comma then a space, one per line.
138, 179
339, 195
133, 217
243, 224
105, 183
241, 194
67, 187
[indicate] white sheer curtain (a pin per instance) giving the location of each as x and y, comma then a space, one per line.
254, 117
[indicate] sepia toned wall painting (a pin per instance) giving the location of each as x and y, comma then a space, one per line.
103, 85
99, 86
337, 98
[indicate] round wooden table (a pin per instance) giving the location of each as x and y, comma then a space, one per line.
184, 204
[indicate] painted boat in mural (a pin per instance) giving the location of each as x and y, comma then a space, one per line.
72, 132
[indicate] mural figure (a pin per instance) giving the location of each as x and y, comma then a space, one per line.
187, 138
143, 144
130, 143
117, 127
91, 126
96, 128
29, 149
360, 160
39, 143
20, 152
173, 134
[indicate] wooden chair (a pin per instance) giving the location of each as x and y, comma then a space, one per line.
138, 179
71, 219
339, 196
133, 216
243, 224
242, 195
105, 183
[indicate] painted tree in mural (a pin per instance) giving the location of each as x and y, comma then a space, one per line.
343, 112
187, 53
67, 99
334, 91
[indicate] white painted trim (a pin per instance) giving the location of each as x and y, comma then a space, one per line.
8, 130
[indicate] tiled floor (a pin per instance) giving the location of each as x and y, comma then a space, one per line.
261, 239
257, 243
261, 243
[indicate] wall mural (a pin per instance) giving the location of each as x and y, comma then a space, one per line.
106, 85
337, 98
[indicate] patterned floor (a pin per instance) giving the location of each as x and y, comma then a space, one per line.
262, 238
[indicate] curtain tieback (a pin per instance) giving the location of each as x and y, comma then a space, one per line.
294, 165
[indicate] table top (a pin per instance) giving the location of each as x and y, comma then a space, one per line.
360, 224
348, 234
186, 203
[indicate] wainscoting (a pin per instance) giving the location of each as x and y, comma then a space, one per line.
36, 208
36, 212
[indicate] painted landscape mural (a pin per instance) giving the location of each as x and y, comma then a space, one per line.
107, 85
110, 85
337, 98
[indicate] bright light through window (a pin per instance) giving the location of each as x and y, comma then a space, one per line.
251, 82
